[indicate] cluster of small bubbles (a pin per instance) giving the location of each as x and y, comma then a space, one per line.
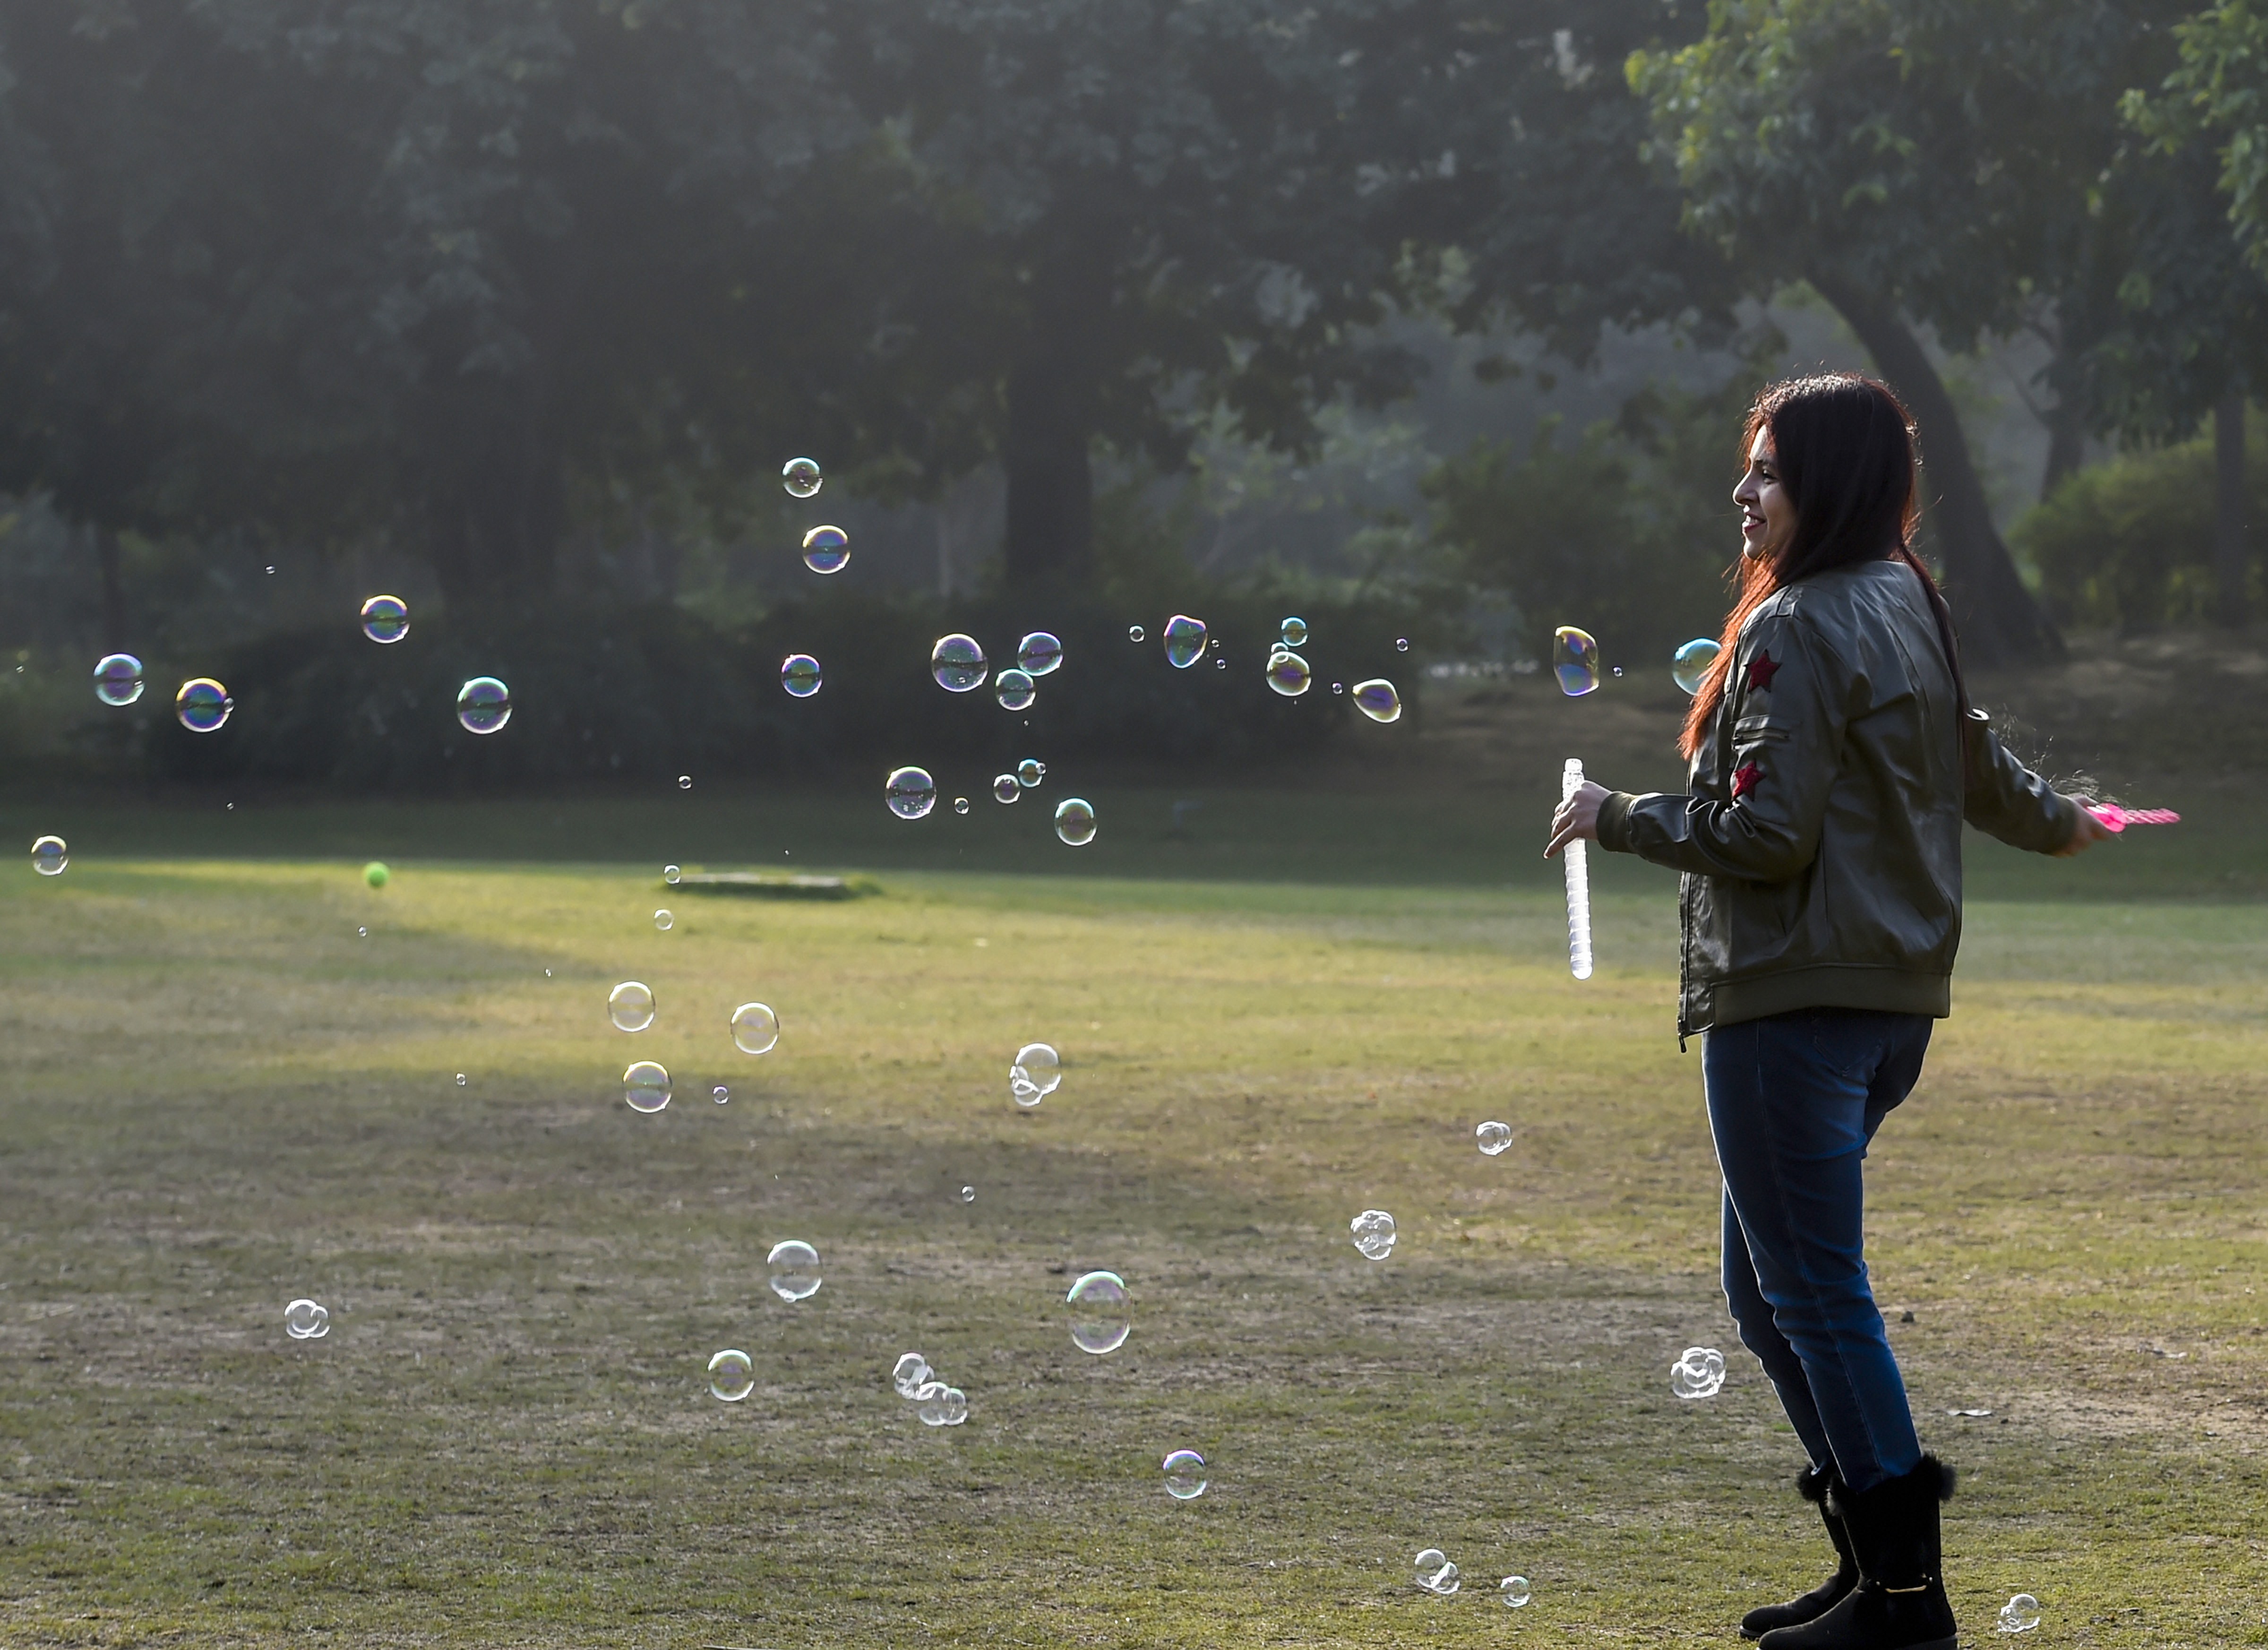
732, 1374
1574, 661
1030, 771
909, 792
1015, 690
1699, 1373
1185, 641
664, 920
961, 805
1185, 1474
646, 1086
958, 663
118, 679
941, 1405
801, 477
1005, 788
1288, 672
1039, 654
1401, 643
376, 874
1688, 666
1035, 1074
386, 619
1514, 1591
49, 856
721, 1094
799, 675
911, 1373
1134, 633
1075, 821
631, 1005
1100, 1319
203, 705
827, 550
1493, 1138
670, 874
968, 1194
792, 1269
483, 704
1294, 633
1435, 1574
306, 1321
1373, 1234
756, 1029
1377, 700
685, 782
2020, 1614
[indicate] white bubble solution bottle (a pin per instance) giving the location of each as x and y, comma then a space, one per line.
1578, 866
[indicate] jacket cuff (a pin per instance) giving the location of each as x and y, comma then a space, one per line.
1614, 822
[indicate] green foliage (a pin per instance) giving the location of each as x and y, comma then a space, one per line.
2129, 544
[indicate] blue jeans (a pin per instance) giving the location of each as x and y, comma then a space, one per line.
1793, 1100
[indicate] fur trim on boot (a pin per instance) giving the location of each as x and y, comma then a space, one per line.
1813, 1485
1899, 1603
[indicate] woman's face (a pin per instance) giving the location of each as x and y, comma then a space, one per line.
1767, 513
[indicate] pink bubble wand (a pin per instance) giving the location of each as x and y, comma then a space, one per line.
2116, 819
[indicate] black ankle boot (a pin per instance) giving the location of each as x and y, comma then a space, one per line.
1899, 1603
1812, 1485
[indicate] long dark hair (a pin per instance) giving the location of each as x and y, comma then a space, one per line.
1844, 445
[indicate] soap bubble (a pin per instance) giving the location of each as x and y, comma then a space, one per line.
306, 1321
670, 874
631, 1005
646, 1086
1185, 641
1288, 672
1038, 653
910, 792
756, 1029
1015, 689
1295, 633
664, 920
1005, 788
1338, 686
801, 477
376, 874
362, 933
1493, 1138
1435, 1574
958, 663
1373, 1234
1689, 664
799, 675
1219, 659
1514, 1590
1618, 671
118, 679
1575, 660
961, 805
1035, 1074
685, 782
483, 704
732, 1375
49, 856
721, 1094
1699, 1373
1185, 1474
910, 1374
460, 1080
1134, 632
1377, 700
827, 550
1099, 1319
941, 1405
386, 619
1030, 771
203, 705
2020, 1614
793, 1269
968, 1194
1075, 820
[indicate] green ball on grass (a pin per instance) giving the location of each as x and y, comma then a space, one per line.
375, 875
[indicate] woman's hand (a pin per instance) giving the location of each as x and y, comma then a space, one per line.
2091, 830
1579, 818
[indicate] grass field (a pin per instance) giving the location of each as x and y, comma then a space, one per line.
217, 1096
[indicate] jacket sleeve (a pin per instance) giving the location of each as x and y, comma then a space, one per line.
2003, 798
1788, 724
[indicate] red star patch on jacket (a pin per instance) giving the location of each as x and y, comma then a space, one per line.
1746, 778
1761, 669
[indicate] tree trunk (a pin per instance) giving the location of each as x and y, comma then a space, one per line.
1051, 536
2066, 444
1998, 621
2232, 537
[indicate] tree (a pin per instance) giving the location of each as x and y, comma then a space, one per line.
1915, 163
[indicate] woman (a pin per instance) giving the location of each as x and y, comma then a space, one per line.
1834, 756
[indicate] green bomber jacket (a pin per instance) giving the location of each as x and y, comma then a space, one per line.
1820, 832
